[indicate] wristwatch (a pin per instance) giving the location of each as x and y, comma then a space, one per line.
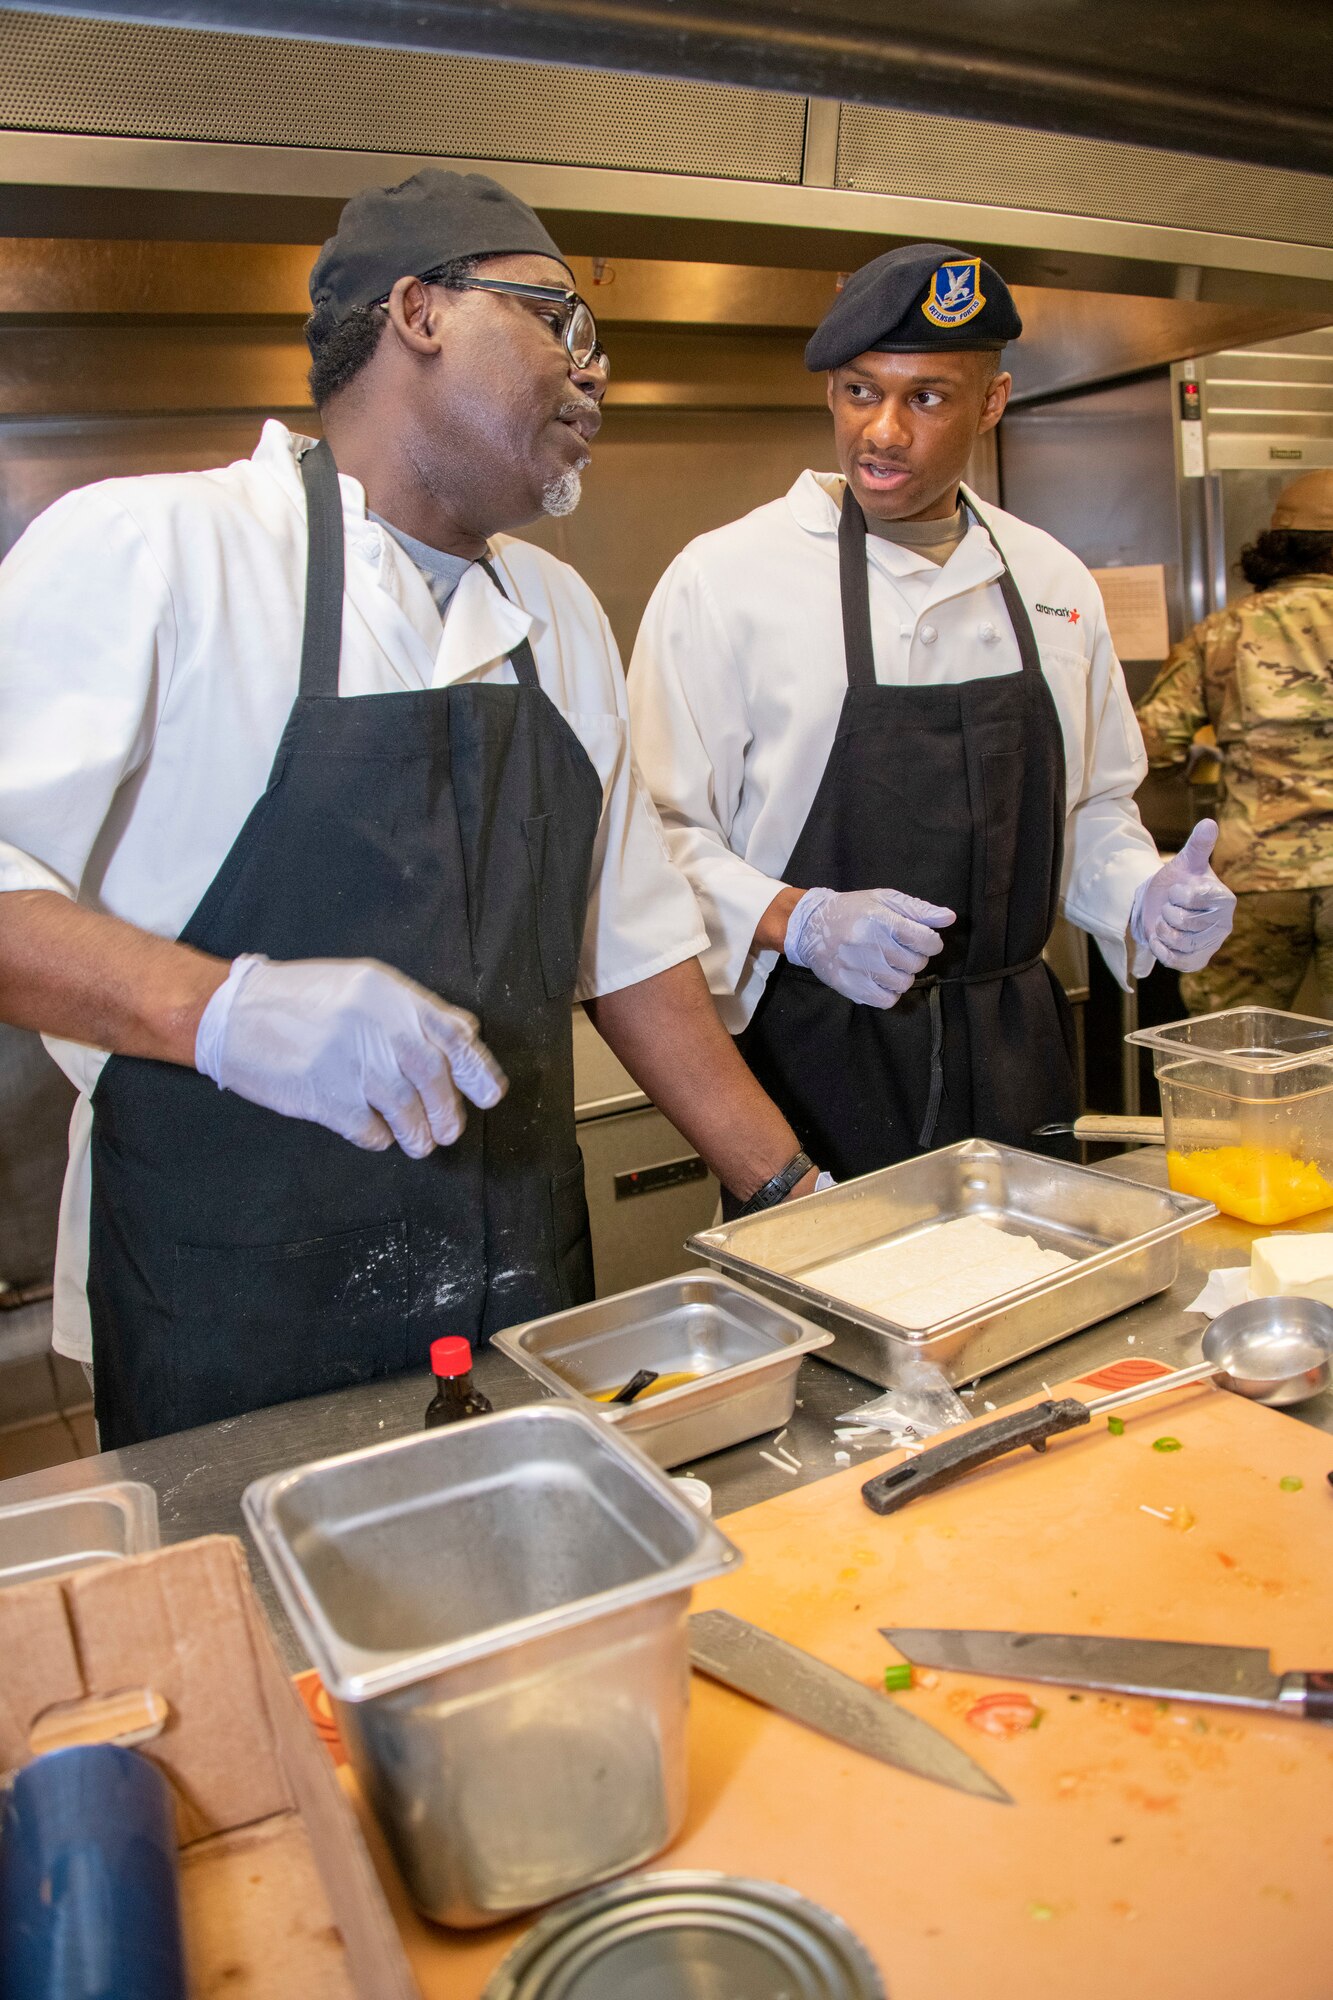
779, 1187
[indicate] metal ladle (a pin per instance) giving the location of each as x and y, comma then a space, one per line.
1274, 1351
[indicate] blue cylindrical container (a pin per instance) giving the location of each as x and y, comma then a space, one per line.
89, 1896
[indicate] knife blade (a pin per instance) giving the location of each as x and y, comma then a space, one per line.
759, 1664
1229, 1676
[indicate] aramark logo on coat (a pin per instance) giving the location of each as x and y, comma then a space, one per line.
955, 294
1060, 611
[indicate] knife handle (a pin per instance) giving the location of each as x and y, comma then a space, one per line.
1318, 1702
940, 1464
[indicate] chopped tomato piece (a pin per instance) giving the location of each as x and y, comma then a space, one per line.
1006, 1714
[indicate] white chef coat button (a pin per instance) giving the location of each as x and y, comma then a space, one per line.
928, 635
987, 634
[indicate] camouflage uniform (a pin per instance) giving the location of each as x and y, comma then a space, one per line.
1261, 672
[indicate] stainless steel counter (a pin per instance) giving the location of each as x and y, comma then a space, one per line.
199, 1475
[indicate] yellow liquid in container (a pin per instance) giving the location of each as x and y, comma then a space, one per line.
665, 1382
1255, 1183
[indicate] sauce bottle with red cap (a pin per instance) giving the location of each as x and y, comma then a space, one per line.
455, 1396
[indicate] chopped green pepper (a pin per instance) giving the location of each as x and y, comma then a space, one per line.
1116, 1426
1291, 1483
897, 1678
1166, 1444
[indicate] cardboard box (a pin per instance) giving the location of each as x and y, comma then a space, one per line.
278, 1893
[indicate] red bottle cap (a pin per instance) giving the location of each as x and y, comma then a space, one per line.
450, 1356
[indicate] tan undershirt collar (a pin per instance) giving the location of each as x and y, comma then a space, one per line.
936, 540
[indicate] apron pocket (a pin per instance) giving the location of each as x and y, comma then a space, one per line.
259, 1324
570, 1235
1002, 773
559, 902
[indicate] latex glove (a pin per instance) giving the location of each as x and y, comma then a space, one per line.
351, 1044
869, 944
1183, 912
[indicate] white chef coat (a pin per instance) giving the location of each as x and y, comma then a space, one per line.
150, 641
738, 678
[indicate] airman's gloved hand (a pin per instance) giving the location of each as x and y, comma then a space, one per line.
350, 1044
868, 944
1183, 912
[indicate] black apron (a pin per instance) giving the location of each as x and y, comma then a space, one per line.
955, 794
239, 1258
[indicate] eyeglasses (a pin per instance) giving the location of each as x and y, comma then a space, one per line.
571, 317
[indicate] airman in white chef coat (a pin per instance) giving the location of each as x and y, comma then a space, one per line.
889, 739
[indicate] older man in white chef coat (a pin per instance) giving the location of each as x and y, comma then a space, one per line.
280, 846
889, 738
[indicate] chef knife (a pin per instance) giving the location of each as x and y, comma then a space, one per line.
1232, 1676
759, 1664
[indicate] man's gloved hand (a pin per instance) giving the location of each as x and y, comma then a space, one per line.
350, 1044
1183, 912
869, 944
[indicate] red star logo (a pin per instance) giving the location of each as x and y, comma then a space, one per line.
1074, 617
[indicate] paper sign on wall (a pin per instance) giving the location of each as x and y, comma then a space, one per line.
1135, 600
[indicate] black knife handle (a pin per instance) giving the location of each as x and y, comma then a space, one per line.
940, 1464
1319, 1697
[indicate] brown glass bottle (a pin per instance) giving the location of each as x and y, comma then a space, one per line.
456, 1396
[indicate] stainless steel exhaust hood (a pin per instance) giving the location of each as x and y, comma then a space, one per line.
138, 131
1217, 77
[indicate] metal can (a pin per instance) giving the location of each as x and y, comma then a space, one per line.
678, 1934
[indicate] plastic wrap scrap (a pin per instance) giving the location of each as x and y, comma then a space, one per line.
918, 1406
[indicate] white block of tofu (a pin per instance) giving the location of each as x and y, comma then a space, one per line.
937, 1274
1286, 1267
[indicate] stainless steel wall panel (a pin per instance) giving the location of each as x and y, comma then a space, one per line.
40, 461
958, 159
62, 75
1097, 471
660, 476
119, 368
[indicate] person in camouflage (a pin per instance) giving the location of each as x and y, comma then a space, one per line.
1261, 672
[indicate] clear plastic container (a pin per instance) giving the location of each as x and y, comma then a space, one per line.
1247, 1103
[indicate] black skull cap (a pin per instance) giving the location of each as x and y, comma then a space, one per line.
385, 234
923, 298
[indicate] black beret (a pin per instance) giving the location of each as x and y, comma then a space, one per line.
924, 298
385, 234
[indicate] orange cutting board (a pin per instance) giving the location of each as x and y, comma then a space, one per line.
1152, 1849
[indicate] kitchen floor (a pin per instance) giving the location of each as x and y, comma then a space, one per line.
49, 1441
46, 1413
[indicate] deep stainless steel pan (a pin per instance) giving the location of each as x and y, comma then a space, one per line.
1122, 1234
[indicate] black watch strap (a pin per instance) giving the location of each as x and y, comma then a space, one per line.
779, 1187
